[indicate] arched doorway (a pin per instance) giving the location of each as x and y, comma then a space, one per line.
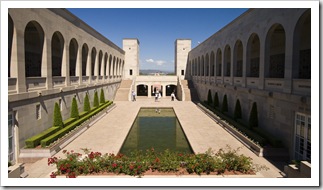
142, 90
169, 89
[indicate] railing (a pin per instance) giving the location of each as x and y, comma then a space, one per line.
85, 79
58, 81
302, 86
12, 84
238, 81
74, 80
227, 80
252, 82
219, 80
35, 83
274, 84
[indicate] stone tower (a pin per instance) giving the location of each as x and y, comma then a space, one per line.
182, 47
131, 48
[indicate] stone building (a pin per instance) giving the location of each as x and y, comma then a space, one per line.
53, 57
263, 56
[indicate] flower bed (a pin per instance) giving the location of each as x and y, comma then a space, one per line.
140, 162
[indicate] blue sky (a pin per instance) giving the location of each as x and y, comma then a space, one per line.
157, 28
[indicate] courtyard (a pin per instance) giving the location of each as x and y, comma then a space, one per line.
108, 134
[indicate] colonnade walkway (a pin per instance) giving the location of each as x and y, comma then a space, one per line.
109, 133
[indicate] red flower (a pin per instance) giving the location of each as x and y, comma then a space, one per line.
131, 167
157, 160
52, 175
114, 165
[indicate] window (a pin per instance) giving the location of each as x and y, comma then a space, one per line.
130, 72
38, 111
302, 137
10, 137
182, 72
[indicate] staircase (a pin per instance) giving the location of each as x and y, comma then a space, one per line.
189, 91
123, 91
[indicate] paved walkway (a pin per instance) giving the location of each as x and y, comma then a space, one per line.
108, 134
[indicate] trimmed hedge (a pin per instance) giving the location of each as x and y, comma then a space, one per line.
69, 121
86, 106
74, 109
58, 120
34, 141
102, 98
96, 99
50, 139
243, 129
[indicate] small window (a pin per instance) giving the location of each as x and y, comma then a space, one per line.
130, 72
182, 72
38, 111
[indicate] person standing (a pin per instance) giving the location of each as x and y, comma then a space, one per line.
133, 95
173, 96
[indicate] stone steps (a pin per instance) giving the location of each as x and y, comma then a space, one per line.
189, 91
123, 91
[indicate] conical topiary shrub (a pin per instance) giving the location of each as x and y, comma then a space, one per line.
224, 104
209, 98
237, 110
58, 120
253, 118
86, 105
216, 100
96, 99
74, 109
102, 98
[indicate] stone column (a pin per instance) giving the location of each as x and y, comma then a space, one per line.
164, 91
18, 60
66, 65
288, 75
149, 90
89, 67
96, 67
262, 62
232, 64
47, 63
244, 65
79, 65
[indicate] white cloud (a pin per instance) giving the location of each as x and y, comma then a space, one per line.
149, 60
160, 62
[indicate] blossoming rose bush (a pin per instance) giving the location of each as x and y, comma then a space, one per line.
138, 162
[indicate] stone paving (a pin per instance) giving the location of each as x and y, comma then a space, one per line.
108, 134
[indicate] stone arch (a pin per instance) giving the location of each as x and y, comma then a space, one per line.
93, 57
219, 62
275, 52
207, 62
198, 67
85, 52
113, 66
142, 90
73, 48
10, 37
57, 53
110, 65
106, 65
170, 88
253, 56
34, 43
212, 64
202, 66
302, 47
227, 61
100, 63
237, 59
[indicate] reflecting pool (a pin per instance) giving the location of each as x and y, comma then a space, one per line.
156, 128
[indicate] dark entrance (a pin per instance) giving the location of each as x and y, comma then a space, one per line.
142, 90
169, 89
